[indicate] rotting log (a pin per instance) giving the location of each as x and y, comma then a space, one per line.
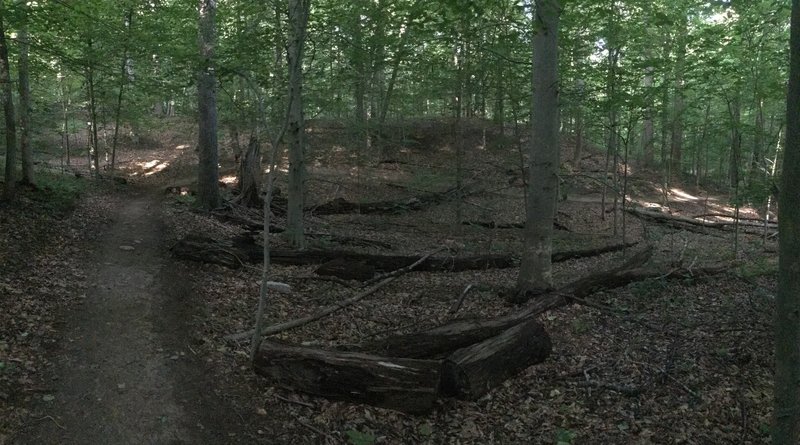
471, 372
400, 384
520, 225
339, 206
692, 224
243, 249
441, 340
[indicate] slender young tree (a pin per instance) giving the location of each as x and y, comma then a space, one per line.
536, 270
208, 170
24, 97
786, 428
298, 21
8, 109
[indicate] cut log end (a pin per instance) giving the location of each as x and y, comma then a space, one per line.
471, 372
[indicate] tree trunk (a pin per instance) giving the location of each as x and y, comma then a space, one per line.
648, 129
250, 174
208, 171
676, 144
786, 417
25, 98
94, 142
8, 110
123, 73
298, 20
536, 270
734, 108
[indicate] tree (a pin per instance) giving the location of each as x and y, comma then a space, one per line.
24, 98
208, 170
786, 429
298, 21
535, 271
8, 110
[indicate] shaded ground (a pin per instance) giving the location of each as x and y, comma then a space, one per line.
658, 362
125, 372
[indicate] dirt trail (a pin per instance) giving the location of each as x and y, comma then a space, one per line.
126, 373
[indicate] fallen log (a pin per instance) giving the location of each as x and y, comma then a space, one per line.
440, 340
243, 249
401, 384
339, 206
471, 372
496, 225
324, 312
684, 222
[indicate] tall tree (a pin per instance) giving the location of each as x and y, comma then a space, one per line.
208, 170
24, 97
786, 428
536, 270
298, 21
8, 110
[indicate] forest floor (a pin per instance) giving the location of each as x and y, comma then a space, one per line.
106, 338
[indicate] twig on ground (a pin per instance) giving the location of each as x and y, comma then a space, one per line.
457, 305
54, 421
296, 402
285, 326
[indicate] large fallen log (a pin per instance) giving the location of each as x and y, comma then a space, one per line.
471, 372
395, 383
243, 249
440, 340
684, 222
339, 206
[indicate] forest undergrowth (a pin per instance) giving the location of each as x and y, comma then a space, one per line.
659, 361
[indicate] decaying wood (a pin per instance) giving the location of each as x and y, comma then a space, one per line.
285, 326
243, 249
394, 383
340, 206
684, 222
496, 225
441, 340
471, 372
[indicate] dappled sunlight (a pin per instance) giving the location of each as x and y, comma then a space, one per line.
228, 179
150, 168
182, 146
679, 195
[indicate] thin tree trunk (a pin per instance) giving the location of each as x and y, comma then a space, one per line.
298, 20
9, 188
536, 268
94, 148
208, 171
676, 144
648, 129
123, 77
24, 98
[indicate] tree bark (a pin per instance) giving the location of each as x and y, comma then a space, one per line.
536, 270
25, 98
250, 174
123, 73
786, 417
676, 143
648, 129
298, 20
8, 111
471, 372
395, 383
208, 170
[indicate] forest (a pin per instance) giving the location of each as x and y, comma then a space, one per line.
397, 222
